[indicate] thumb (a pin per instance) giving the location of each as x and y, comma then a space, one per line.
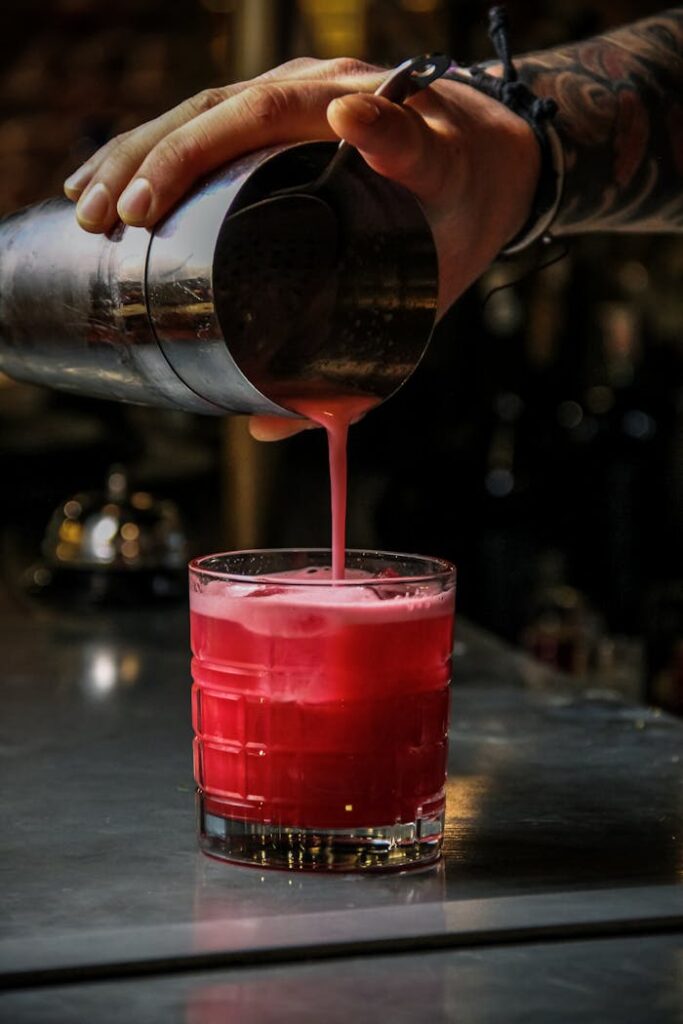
394, 140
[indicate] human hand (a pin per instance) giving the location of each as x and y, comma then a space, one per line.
470, 161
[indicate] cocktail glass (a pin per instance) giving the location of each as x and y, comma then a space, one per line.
320, 707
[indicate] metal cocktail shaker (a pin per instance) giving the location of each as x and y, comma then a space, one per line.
211, 314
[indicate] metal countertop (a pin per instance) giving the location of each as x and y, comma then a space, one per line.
557, 794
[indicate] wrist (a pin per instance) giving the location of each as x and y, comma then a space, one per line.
547, 196
504, 166
523, 140
499, 81
492, 164
520, 174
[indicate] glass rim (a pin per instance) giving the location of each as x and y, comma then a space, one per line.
445, 571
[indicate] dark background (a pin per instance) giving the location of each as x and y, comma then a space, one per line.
538, 445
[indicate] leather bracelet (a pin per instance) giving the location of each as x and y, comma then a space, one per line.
547, 198
538, 113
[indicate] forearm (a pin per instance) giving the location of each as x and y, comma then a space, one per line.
620, 120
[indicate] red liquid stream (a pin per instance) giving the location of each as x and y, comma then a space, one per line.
336, 415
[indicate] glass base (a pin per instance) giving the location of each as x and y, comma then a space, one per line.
266, 845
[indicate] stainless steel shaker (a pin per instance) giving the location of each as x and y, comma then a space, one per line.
211, 314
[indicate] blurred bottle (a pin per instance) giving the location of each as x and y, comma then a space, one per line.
562, 630
663, 629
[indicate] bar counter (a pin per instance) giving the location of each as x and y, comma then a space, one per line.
558, 895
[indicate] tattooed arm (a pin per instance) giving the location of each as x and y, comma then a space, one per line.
620, 120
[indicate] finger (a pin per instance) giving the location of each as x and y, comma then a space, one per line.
338, 69
98, 184
147, 135
358, 73
276, 428
114, 165
140, 140
394, 140
261, 115
77, 181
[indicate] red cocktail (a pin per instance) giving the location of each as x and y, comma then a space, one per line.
320, 707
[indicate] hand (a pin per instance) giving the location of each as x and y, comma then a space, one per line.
471, 162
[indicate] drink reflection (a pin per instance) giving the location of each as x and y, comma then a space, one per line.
330, 991
225, 892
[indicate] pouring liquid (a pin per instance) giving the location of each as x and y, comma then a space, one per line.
321, 708
336, 415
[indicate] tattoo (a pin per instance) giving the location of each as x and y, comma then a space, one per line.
620, 119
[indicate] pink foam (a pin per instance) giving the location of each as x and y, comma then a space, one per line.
309, 608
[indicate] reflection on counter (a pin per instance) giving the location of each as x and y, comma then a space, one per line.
464, 798
224, 892
105, 667
310, 995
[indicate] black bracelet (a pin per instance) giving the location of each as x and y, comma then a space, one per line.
538, 113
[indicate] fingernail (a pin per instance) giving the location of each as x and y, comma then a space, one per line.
135, 202
94, 206
77, 181
362, 108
